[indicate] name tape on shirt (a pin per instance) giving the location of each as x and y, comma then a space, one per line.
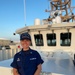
32, 58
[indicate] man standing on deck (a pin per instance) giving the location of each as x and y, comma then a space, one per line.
27, 61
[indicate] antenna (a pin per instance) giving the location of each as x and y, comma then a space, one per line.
48, 4
25, 12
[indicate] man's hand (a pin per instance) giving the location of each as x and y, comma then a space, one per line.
15, 72
38, 71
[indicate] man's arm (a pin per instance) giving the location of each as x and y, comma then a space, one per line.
15, 72
38, 71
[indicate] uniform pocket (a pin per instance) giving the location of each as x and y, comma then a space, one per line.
32, 62
19, 63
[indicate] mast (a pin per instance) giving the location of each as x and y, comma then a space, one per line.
60, 6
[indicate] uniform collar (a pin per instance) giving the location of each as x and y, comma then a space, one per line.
27, 52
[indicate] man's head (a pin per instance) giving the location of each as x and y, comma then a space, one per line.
25, 40
25, 36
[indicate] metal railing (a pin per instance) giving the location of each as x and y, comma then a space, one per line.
8, 54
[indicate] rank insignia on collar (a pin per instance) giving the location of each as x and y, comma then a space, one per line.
18, 59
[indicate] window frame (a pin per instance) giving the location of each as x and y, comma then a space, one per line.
66, 40
53, 39
39, 40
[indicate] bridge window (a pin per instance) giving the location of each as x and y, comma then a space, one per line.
38, 39
65, 39
51, 39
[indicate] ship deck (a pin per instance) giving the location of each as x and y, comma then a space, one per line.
59, 66
51, 65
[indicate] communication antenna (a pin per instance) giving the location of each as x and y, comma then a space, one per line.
25, 12
48, 4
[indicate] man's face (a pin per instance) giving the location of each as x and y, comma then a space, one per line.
25, 43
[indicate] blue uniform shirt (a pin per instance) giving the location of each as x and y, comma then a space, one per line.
26, 62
